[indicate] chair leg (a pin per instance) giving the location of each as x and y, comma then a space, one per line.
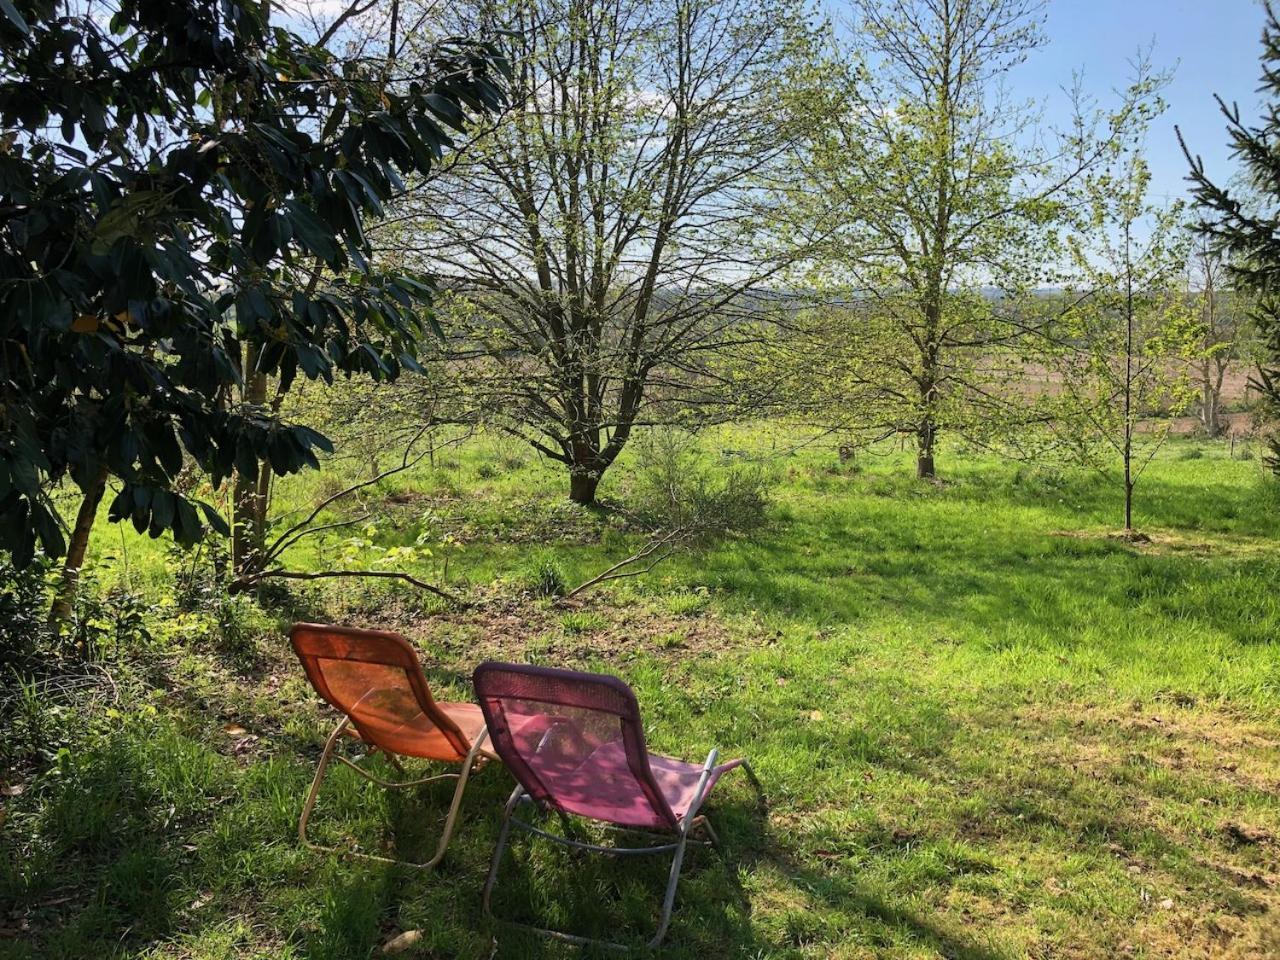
395, 762
700, 822
496, 861
755, 781
668, 901
321, 768
450, 820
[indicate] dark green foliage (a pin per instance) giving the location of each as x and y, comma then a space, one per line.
107, 623
102, 621
23, 608
182, 189
1248, 231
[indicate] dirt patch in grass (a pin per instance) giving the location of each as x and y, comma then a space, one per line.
526, 630
1185, 792
1209, 743
1172, 543
1204, 739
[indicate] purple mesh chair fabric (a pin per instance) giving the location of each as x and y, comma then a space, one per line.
575, 742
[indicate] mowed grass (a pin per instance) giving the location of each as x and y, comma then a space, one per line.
986, 727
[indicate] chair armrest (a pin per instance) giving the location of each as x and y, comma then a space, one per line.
699, 793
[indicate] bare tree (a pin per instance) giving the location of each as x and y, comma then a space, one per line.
1224, 332
605, 245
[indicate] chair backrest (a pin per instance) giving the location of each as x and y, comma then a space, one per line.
574, 741
374, 677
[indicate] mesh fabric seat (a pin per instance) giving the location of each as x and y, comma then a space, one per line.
375, 680
575, 743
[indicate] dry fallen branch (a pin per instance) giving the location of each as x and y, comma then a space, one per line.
656, 550
251, 580
304, 528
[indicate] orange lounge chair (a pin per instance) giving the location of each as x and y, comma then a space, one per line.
374, 678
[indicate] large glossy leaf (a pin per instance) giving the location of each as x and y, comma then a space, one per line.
142, 268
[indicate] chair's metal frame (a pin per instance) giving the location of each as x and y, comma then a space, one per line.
474, 760
692, 822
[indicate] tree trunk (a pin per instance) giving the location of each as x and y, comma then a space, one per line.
1213, 421
249, 499
926, 435
249, 520
1130, 423
582, 485
927, 383
1210, 407
60, 612
1126, 452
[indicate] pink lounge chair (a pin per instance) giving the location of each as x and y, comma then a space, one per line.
375, 680
575, 744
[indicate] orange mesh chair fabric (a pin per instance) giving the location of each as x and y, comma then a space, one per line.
374, 677
375, 680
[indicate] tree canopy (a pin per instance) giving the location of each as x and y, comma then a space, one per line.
943, 199
175, 181
605, 240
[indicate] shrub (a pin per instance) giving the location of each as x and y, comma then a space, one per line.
114, 620
687, 603
581, 621
207, 613
200, 574
24, 605
677, 487
673, 640
35, 726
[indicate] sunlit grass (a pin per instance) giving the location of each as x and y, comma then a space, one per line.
986, 728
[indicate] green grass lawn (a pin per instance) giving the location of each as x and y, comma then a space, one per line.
986, 727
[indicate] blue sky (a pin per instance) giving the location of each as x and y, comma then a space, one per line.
1212, 44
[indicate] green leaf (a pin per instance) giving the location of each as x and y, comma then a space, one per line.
48, 529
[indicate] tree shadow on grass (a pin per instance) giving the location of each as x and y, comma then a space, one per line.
97, 861
349, 922
597, 896
860, 907
1057, 588
619, 898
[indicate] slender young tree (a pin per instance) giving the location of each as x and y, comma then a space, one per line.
1130, 332
604, 246
1246, 227
942, 197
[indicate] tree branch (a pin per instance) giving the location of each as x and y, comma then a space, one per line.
245, 582
666, 543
